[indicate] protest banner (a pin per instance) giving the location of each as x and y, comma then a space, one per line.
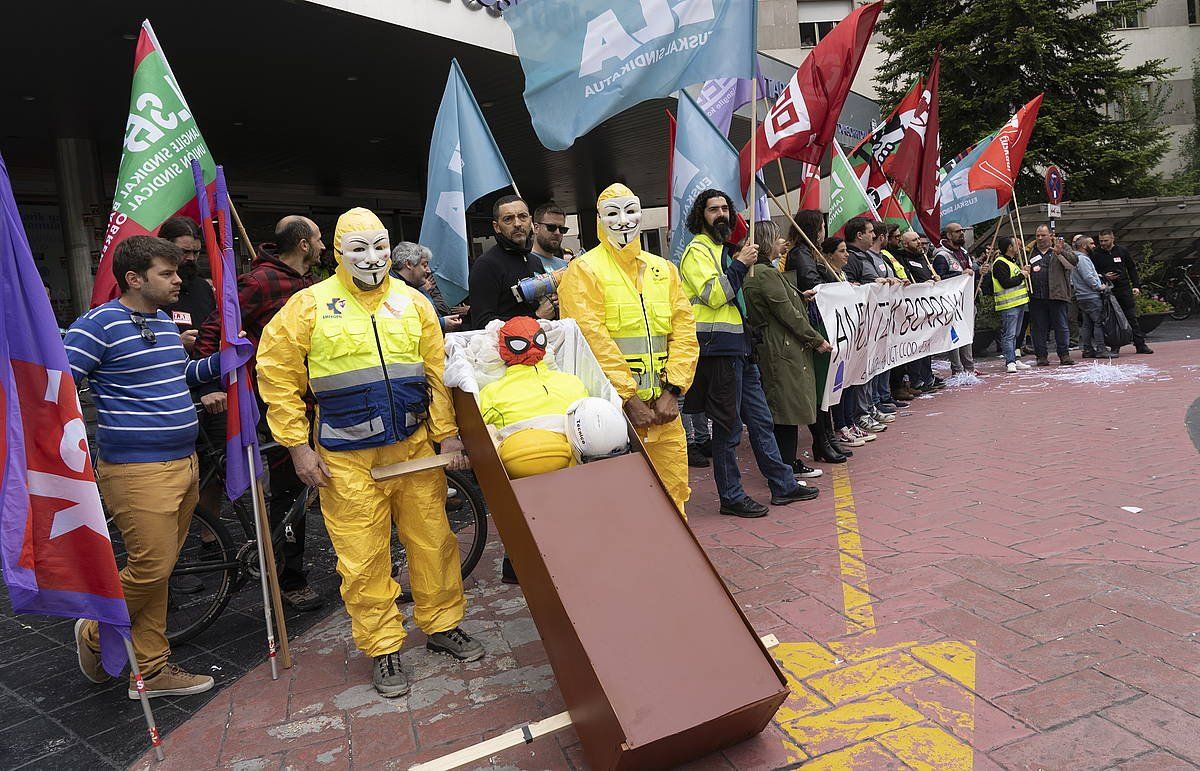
875, 327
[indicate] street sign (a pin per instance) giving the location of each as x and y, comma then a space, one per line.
1054, 185
1053, 211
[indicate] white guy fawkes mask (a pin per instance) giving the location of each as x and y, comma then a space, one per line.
621, 217
367, 255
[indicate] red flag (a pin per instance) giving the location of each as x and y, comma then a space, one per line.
803, 120
997, 167
810, 187
894, 153
927, 192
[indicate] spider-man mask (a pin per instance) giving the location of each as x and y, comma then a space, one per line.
522, 341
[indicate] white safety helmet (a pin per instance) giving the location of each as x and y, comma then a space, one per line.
596, 430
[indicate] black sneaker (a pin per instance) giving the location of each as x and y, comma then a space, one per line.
388, 676
746, 508
697, 459
799, 494
1043, 361
1089, 354
802, 471
457, 643
1144, 349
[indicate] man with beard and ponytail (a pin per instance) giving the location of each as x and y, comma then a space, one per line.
728, 387
633, 312
370, 349
498, 269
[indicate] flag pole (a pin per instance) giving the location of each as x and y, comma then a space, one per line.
1017, 208
263, 535
242, 229
268, 546
753, 142
140, 684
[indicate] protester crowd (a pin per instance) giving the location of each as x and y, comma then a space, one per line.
730, 340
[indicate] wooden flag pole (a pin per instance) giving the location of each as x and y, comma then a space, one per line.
242, 230
140, 684
816, 251
266, 554
264, 537
786, 197
1016, 207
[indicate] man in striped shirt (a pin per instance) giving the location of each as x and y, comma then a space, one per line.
133, 357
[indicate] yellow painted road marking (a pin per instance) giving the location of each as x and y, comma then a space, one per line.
856, 596
845, 711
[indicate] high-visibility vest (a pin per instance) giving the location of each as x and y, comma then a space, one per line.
366, 369
638, 322
727, 318
1009, 298
896, 264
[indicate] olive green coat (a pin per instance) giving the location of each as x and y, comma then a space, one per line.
785, 344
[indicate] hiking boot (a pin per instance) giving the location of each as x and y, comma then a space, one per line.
799, 494
1043, 361
457, 643
1144, 349
302, 598
697, 459
89, 660
1066, 361
746, 508
801, 471
172, 681
388, 676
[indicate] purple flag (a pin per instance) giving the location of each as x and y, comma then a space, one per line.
722, 97
241, 416
54, 546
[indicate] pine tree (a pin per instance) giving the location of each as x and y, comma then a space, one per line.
1097, 119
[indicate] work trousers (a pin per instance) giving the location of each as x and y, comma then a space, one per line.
667, 447
152, 505
1047, 315
359, 515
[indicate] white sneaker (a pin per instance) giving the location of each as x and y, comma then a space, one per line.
1022, 365
883, 417
1011, 369
865, 436
848, 438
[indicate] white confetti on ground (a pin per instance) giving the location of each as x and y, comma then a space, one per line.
962, 379
1102, 374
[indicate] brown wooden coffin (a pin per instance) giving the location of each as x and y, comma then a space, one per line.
656, 662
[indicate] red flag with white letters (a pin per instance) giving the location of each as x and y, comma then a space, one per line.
802, 122
997, 167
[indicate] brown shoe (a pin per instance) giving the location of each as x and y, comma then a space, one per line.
89, 660
172, 681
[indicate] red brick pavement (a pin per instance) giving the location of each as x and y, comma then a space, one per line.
990, 515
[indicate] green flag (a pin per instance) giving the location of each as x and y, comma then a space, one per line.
155, 181
847, 199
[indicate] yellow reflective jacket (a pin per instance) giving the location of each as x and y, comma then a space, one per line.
286, 365
1009, 298
714, 297
529, 391
595, 289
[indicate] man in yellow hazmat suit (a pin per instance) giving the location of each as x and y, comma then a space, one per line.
638, 321
370, 348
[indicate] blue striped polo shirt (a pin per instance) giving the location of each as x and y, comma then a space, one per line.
144, 409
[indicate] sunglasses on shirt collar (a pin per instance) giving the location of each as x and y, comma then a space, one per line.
147, 333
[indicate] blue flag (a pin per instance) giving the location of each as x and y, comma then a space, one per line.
960, 203
587, 60
703, 159
464, 165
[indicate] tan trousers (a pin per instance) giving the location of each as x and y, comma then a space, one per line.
152, 505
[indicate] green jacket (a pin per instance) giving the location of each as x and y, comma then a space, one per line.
786, 339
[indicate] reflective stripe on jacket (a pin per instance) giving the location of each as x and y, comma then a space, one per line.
1010, 298
366, 369
714, 298
638, 322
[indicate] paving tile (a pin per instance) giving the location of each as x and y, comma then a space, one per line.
1080, 693
1063, 620
1162, 724
1061, 656
1158, 760
1091, 742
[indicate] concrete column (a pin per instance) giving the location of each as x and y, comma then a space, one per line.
77, 178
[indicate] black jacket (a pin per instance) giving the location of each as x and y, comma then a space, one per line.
196, 301
800, 259
915, 266
1117, 261
492, 278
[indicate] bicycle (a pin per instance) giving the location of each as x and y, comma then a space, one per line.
223, 566
1182, 293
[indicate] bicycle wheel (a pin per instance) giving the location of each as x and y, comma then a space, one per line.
203, 579
1183, 304
467, 514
